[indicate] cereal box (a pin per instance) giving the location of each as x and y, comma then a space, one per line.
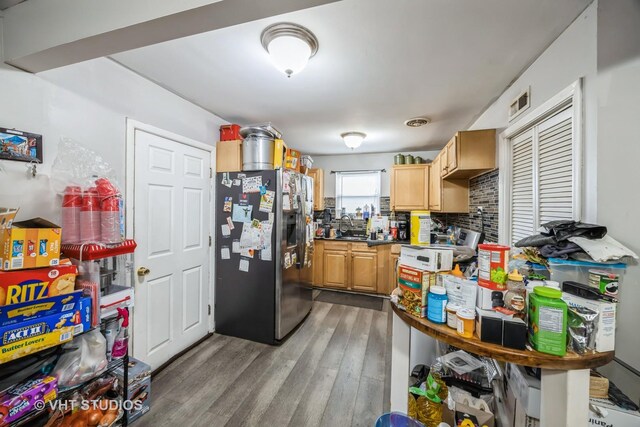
34, 335
32, 285
27, 244
415, 285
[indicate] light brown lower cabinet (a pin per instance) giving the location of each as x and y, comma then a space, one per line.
352, 266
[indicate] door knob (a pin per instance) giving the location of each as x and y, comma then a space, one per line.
143, 271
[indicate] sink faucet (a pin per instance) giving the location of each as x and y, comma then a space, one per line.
350, 222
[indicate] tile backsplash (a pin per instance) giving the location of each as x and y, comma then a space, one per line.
483, 191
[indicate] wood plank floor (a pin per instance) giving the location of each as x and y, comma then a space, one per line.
333, 371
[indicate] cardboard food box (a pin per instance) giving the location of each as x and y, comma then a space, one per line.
464, 415
32, 285
610, 415
460, 291
279, 154
22, 397
415, 284
139, 391
526, 389
24, 311
424, 258
27, 244
34, 335
606, 323
292, 161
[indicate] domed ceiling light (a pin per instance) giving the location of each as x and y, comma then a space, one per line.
353, 139
289, 45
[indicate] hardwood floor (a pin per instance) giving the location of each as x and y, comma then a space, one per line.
333, 371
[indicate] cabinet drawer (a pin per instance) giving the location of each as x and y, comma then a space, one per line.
363, 247
336, 246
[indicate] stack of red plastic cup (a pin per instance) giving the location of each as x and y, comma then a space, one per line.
110, 207
71, 206
90, 217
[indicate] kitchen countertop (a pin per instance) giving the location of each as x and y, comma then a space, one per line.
367, 241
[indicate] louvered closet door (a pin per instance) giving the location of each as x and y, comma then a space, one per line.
556, 165
522, 191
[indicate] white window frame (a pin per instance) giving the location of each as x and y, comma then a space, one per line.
570, 96
363, 172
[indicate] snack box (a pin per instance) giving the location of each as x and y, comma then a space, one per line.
22, 397
34, 335
32, 285
606, 328
24, 311
27, 244
426, 259
279, 154
415, 284
292, 161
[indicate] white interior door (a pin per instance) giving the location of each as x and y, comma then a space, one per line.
172, 217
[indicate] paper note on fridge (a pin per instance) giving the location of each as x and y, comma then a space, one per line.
286, 202
226, 232
251, 184
244, 265
266, 201
265, 254
235, 247
242, 213
225, 253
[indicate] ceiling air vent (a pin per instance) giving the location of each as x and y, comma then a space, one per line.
416, 122
520, 104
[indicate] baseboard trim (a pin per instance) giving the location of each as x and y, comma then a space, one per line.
177, 356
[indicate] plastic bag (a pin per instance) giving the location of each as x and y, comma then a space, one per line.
78, 165
85, 358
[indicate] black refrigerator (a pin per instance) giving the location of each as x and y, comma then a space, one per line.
264, 246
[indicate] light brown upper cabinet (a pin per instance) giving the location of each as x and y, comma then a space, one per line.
318, 188
470, 153
229, 156
410, 187
447, 195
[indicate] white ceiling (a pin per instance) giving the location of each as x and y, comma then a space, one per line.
380, 62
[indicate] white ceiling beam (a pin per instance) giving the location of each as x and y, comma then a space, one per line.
42, 34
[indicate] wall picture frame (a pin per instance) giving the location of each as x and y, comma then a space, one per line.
20, 146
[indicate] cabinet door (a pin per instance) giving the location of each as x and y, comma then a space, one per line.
452, 154
392, 280
364, 271
318, 188
410, 187
435, 184
335, 269
318, 263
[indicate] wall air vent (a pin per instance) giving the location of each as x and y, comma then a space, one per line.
520, 104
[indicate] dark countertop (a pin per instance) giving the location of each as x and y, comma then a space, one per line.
367, 241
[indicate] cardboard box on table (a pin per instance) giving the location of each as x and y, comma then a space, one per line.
27, 244
415, 282
610, 415
424, 258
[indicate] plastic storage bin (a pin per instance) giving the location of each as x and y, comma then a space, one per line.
563, 270
397, 419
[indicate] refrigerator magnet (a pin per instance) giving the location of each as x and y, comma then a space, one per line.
228, 203
287, 260
225, 253
248, 253
243, 199
251, 184
226, 181
230, 222
236, 182
244, 265
266, 201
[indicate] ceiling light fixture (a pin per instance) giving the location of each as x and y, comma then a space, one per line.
353, 139
289, 45
416, 122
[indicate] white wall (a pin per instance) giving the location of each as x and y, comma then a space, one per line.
351, 162
619, 155
88, 102
569, 57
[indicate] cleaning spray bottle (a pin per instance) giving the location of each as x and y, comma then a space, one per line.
121, 342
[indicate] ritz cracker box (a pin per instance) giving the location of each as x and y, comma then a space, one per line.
415, 284
27, 244
25, 286
34, 335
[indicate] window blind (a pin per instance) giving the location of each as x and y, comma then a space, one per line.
356, 189
542, 184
